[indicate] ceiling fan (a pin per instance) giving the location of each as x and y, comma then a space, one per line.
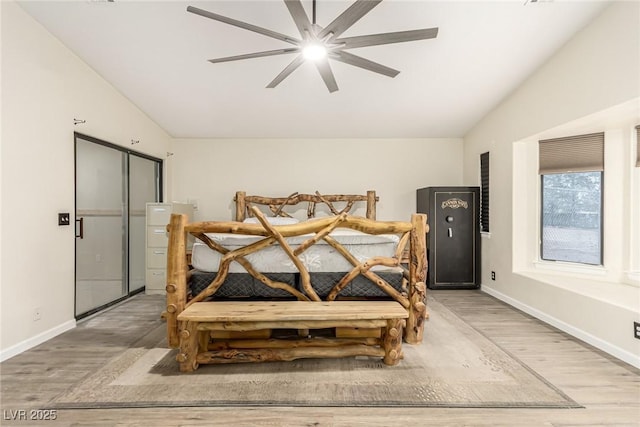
319, 44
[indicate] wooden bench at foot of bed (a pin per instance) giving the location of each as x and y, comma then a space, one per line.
199, 319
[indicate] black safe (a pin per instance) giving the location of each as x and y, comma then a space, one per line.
453, 240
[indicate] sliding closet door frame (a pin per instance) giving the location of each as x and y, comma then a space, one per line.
133, 203
126, 256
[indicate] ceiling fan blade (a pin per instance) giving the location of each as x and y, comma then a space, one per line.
327, 75
244, 25
351, 59
287, 70
347, 18
387, 38
299, 17
255, 55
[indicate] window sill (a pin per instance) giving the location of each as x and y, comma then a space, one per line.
633, 278
485, 234
570, 268
616, 293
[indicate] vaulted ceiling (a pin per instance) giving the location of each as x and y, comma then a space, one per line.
155, 53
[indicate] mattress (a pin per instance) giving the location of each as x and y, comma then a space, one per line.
319, 258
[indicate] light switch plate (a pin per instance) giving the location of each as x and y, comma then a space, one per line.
64, 218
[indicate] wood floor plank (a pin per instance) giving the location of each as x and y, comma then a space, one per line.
608, 389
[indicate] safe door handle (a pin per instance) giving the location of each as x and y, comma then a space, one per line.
81, 231
450, 232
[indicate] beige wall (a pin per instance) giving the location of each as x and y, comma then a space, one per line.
595, 73
44, 87
211, 171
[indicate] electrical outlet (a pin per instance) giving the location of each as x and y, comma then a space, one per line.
37, 314
493, 275
64, 218
636, 330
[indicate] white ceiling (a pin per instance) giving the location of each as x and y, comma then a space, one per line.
155, 53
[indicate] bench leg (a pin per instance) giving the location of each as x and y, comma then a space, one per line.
392, 342
188, 346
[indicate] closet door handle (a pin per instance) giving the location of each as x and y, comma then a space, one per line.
81, 231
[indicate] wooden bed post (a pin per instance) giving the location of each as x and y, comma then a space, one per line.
417, 274
371, 204
241, 205
176, 276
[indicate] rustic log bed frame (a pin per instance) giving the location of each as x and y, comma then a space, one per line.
192, 330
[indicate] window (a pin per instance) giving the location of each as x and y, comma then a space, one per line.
484, 192
571, 217
571, 172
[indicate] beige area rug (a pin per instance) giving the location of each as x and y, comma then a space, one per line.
455, 366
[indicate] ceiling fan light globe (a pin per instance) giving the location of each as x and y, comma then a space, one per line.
314, 51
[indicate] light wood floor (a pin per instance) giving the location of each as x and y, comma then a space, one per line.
608, 389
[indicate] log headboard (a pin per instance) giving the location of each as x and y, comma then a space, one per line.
276, 204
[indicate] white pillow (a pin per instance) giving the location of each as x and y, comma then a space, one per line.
273, 220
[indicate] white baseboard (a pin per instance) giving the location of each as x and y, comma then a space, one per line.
37, 340
607, 347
